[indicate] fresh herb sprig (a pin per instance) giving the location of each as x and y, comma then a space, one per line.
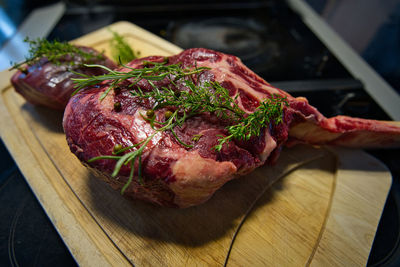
208, 97
269, 111
121, 50
154, 71
55, 51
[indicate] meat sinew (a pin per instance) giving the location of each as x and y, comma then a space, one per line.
47, 84
180, 176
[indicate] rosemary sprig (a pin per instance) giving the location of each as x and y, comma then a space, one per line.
55, 51
208, 97
153, 72
269, 111
120, 49
211, 97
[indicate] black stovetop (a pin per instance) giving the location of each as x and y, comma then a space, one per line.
275, 48
282, 50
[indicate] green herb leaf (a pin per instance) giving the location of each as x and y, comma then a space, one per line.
56, 52
120, 49
269, 111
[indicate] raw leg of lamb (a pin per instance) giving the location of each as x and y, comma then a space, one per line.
183, 168
48, 84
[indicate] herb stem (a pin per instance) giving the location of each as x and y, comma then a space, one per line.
56, 52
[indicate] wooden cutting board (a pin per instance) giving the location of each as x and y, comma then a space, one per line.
316, 206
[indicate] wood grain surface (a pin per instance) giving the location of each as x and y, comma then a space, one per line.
316, 206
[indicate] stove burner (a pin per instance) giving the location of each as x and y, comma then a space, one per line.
244, 38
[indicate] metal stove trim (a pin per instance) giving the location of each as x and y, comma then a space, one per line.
386, 97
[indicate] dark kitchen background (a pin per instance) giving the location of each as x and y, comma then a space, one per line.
271, 39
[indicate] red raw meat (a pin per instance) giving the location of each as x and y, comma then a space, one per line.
181, 177
50, 85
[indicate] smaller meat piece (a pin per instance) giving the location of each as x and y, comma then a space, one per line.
49, 84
